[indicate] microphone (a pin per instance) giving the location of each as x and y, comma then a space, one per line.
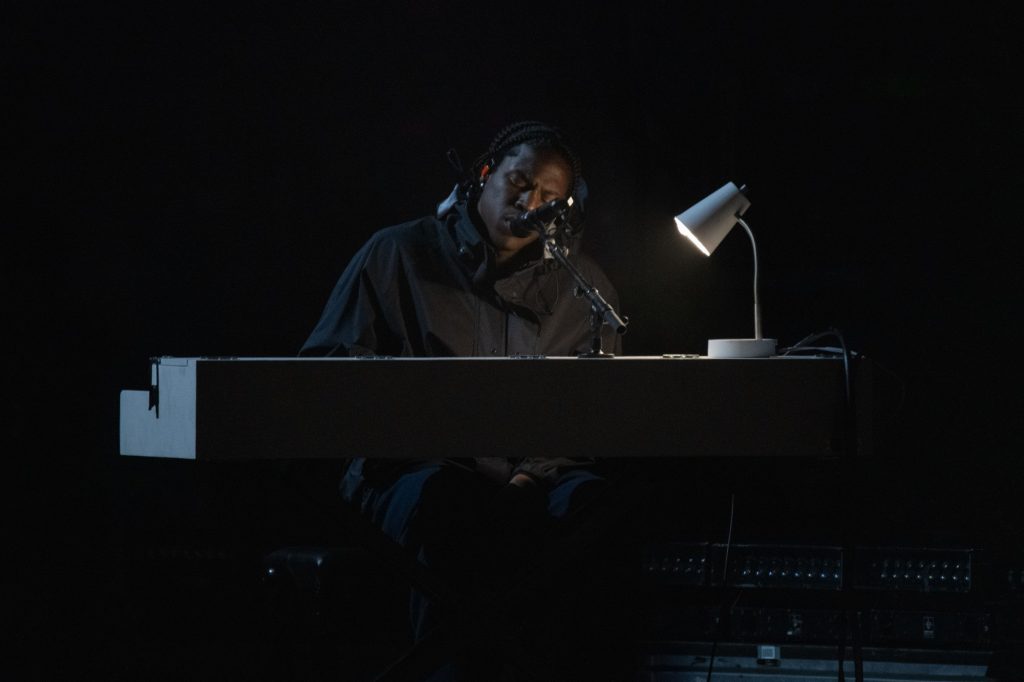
539, 218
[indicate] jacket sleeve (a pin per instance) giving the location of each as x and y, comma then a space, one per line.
353, 321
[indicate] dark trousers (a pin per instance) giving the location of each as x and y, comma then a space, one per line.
474, 533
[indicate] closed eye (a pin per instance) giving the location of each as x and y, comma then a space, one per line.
518, 180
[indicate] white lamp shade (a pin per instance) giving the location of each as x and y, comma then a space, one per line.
707, 222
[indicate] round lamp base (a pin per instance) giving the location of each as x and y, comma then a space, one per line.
741, 348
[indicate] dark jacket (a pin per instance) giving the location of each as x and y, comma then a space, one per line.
428, 288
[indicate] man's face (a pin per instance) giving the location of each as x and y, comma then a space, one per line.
525, 179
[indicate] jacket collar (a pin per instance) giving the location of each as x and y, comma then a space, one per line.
478, 260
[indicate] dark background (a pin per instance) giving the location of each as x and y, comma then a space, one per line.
192, 179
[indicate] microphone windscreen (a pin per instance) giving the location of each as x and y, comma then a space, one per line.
520, 227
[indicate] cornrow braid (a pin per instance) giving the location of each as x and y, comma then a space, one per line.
538, 135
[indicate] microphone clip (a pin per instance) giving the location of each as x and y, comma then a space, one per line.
544, 219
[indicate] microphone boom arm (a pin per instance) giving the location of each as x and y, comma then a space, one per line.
601, 312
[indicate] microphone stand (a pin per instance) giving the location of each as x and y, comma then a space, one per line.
601, 312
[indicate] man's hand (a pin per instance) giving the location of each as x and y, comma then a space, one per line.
521, 502
522, 481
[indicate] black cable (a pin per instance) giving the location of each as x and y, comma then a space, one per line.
804, 345
849, 449
728, 537
841, 652
725, 575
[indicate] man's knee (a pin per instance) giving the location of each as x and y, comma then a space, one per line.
573, 491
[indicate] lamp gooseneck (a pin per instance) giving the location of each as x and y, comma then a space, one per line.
757, 300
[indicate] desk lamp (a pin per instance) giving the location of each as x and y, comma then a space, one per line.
706, 224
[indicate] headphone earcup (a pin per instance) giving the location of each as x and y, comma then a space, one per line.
485, 171
475, 186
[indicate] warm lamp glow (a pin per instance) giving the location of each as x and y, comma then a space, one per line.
685, 231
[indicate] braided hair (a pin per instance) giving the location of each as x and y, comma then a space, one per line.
539, 136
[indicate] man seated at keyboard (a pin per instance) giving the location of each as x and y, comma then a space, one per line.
463, 282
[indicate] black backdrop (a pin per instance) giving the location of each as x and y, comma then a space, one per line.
190, 180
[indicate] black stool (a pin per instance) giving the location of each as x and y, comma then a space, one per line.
344, 611
333, 613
